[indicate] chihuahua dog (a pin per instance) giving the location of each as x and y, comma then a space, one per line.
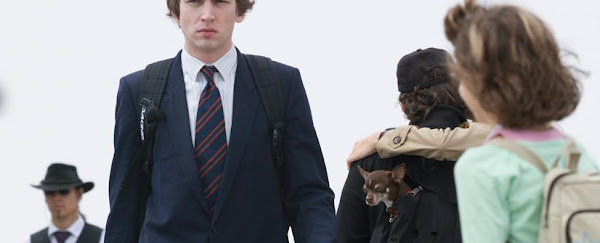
384, 186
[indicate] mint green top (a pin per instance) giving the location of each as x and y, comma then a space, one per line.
500, 194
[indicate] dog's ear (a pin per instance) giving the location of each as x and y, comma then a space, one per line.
363, 173
399, 172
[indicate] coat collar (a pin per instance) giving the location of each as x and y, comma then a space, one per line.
442, 116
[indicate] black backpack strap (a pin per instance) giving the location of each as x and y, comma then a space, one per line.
151, 89
269, 89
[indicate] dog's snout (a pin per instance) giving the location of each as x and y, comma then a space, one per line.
370, 200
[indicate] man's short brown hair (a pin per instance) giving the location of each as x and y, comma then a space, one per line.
243, 6
510, 61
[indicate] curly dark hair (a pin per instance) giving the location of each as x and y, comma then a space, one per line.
509, 60
421, 101
243, 6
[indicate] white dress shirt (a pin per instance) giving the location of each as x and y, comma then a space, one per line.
195, 83
75, 229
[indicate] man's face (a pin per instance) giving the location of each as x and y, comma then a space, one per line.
63, 203
207, 25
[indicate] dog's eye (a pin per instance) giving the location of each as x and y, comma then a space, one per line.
380, 190
364, 190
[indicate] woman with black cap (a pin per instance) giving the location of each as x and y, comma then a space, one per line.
63, 191
429, 98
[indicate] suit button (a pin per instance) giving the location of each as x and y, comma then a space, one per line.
213, 229
397, 140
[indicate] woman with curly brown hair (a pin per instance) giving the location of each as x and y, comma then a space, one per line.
511, 76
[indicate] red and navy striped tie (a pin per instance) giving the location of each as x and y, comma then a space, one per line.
210, 142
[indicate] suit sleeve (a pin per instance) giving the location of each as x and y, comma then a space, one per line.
439, 144
308, 200
123, 214
126, 138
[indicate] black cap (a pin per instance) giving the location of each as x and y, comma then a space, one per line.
62, 176
414, 69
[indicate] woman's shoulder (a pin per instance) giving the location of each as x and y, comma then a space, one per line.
487, 159
491, 157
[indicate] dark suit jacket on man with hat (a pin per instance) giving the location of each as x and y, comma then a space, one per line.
63, 190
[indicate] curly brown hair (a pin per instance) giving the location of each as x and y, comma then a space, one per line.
510, 61
243, 6
421, 101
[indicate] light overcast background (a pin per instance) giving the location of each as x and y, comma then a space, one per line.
60, 63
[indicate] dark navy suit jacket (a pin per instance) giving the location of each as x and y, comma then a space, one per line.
248, 207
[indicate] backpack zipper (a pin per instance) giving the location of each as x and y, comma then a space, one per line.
550, 194
571, 218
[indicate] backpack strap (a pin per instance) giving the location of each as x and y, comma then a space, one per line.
571, 152
521, 151
152, 87
269, 89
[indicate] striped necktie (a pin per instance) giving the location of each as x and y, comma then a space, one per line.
210, 142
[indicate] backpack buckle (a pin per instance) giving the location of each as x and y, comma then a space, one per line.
144, 103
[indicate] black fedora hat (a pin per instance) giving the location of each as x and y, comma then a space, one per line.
62, 176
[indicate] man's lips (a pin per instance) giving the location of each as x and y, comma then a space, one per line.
208, 30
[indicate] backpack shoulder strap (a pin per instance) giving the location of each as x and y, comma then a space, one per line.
521, 151
152, 87
270, 92
570, 152
150, 93
269, 89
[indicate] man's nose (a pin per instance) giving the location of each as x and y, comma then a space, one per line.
208, 12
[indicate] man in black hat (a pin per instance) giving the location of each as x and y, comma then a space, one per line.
63, 190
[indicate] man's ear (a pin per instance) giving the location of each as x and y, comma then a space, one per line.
174, 17
363, 173
240, 17
79, 192
399, 172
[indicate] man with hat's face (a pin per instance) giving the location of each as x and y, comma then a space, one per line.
64, 204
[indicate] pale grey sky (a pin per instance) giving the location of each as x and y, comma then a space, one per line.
61, 61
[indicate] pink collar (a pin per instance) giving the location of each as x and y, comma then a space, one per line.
524, 134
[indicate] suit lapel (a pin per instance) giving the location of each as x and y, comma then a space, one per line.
174, 104
245, 103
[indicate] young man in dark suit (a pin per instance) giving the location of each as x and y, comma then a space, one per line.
213, 178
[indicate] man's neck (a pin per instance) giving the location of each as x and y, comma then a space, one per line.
65, 222
208, 57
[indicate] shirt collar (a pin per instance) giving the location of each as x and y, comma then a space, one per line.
523, 134
227, 64
75, 228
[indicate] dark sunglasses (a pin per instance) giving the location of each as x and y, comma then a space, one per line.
61, 192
